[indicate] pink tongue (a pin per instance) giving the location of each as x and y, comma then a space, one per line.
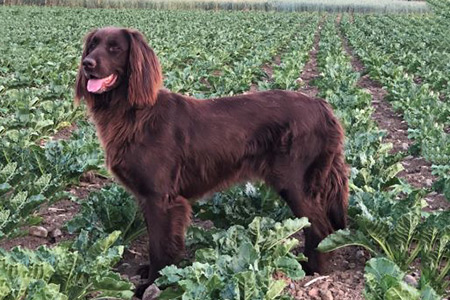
94, 85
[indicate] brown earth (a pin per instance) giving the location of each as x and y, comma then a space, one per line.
310, 70
65, 133
54, 216
345, 279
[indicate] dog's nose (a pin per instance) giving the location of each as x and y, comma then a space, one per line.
89, 63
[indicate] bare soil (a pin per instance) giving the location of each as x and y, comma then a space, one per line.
89, 181
54, 216
268, 70
65, 133
345, 279
310, 70
135, 256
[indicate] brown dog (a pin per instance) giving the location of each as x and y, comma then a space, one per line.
166, 148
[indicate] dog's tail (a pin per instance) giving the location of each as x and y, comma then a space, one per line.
330, 172
335, 189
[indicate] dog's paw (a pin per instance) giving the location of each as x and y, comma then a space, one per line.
140, 290
143, 271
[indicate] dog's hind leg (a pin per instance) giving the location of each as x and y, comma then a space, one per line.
167, 222
289, 182
303, 205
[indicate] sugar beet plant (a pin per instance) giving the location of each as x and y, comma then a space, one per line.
73, 271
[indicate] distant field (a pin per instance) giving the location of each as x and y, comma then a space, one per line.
270, 5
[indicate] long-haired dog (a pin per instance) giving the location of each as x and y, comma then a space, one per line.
166, 148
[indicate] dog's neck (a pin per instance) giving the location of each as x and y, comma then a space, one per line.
116, 122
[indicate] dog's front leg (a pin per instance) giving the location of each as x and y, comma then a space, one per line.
167, 219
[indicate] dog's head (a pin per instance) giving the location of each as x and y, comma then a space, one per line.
118, 57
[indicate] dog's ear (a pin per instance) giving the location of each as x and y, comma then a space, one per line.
81, 82
144, 71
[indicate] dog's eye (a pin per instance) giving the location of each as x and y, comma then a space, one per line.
114, 49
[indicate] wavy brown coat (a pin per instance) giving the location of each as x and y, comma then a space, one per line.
165, 147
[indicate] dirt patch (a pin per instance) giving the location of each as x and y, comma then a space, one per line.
418, 80
205, 82
343, 280
417, 171
268, 69
346, 281
65, 133
311, 70
134, 257
89, 181
385, 117
54, 216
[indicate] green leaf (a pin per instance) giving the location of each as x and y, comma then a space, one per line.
402, 291
101, 247
245, 258
40, 290
111, 284
291, 267
427, 293
344, 238
275, 289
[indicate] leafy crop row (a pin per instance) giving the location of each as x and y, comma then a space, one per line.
72, 271
440, 7
394, 64
382, 223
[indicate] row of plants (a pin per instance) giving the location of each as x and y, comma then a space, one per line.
385, 213
428, 117
416, 42
294, 57
440, 7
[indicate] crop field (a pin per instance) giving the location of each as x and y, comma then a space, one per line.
68, 230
